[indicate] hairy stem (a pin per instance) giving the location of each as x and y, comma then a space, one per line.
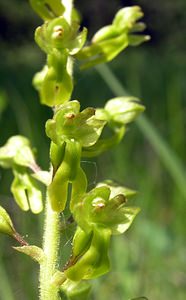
50, 247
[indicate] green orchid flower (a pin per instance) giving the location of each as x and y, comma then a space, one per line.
105, 208
58, 40
69, 123
110, 40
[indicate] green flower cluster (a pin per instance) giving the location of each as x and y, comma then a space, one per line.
101, 212
75, 134
61, 40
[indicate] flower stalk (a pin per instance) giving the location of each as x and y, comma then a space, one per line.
75, 134
51, 236
51, 240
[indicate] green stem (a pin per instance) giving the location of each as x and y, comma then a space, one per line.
51, 241
51, 237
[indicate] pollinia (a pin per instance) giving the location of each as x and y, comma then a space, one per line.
99, 213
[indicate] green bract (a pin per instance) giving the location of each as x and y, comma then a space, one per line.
6, 225
34, 252
110, 40
116, 189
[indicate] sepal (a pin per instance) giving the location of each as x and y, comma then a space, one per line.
116, 189
104, 144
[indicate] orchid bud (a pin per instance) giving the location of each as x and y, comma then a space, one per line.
120, 110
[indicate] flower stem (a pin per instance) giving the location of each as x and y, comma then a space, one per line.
51, 237
50, 247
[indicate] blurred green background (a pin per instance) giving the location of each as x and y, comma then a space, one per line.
150, 259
